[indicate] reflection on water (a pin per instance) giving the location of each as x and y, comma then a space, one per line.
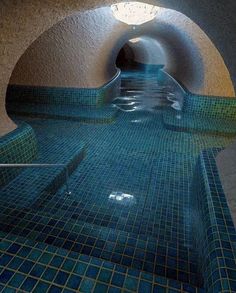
178, 117
137, 95
122, 198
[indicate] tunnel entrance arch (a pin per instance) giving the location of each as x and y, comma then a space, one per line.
186, 34
141, 52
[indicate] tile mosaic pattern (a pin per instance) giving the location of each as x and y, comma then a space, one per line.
65, 103
127, 249
216, 240
146, 243
19, 146
214, 107
63, 96
106, 114
52, 95
197, 123
28, 266
99, 222
41, 181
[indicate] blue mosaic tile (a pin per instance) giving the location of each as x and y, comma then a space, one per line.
41, 287
214, 107
188, 122
212, 213
18, 146
17, 280
6, 275
87, 285
65, 103
28, 284
96, 239
74, 282
64, 96
85, 114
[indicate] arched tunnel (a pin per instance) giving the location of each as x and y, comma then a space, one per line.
117, 146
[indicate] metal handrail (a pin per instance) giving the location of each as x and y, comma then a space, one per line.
68, 192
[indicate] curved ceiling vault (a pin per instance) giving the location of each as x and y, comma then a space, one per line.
35, 18
81, 51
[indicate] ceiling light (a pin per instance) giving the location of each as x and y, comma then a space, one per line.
134, 13
136, 40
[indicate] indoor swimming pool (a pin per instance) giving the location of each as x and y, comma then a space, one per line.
130, 223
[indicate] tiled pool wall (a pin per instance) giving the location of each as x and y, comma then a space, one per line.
210, 106
205, 105
214, 233
64, 95
215, 236
30, 266
19, 146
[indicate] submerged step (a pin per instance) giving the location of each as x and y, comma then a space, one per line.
199, 124
32, 183
128, 249
106, 114
130, 212
44, 267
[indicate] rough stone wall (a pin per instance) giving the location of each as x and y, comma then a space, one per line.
73, 53
81, 51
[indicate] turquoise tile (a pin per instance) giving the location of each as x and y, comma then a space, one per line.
49, 274
28, 284
100, 287
131, 283
74, 282
80, 268
41, 287
86, 285
17, 280
105, 276
132, 230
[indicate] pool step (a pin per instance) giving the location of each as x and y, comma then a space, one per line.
183, 122
148, 215
52, 269
32, 183
110, 217
161, 258
106, 114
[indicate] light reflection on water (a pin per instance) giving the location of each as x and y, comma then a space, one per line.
122, 198
139, 96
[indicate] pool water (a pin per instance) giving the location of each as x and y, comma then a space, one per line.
131, 200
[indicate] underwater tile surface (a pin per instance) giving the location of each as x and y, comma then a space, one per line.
126, 227
198, 123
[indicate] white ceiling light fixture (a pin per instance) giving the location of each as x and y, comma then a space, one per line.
134, 13
136, 40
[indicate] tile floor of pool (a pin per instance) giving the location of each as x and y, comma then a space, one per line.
126, 226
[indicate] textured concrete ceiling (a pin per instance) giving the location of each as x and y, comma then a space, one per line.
81, 51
